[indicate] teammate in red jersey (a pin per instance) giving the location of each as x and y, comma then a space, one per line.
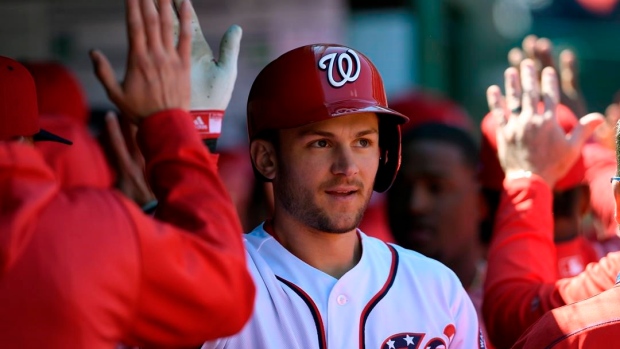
522, 282
84, 267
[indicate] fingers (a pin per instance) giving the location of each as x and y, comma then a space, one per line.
512, 85
229, 47
550, 91
568, 71
117, 141
135, 27
167, 17
585, 128
150, 18
515, 56
543, 49
199, 47
530, 87
184, 47
495, 101
528, 45
612, 114
105, 74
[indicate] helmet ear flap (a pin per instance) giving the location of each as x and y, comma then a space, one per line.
389, 161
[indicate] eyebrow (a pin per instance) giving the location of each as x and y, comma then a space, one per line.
329, 134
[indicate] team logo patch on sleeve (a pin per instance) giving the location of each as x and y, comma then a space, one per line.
403, 341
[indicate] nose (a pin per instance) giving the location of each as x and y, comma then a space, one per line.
419, 199
344, 163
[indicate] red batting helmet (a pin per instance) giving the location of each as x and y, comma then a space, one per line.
318, 82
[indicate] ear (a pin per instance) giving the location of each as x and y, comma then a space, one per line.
616, 189
264, 158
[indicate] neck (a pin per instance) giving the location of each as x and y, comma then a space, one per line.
466, 267
333, 254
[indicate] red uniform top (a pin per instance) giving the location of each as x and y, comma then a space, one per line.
589, 324
85, 268
522, 275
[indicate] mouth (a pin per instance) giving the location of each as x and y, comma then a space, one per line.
420, 234
341, 192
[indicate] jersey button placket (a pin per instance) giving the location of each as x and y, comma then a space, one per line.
342, 299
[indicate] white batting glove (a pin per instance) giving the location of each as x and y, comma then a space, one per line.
212, 81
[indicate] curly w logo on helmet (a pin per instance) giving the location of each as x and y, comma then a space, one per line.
344, 75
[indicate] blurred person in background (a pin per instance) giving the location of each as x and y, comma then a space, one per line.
535, 153
523, 280
435, 206
588, 324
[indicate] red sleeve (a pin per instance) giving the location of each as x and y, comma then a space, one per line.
195, 285
522, 263
600, 164
522, 282
592, 323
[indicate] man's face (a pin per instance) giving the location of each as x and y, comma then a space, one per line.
434, 204
326, 171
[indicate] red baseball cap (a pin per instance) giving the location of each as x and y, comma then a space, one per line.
424, 107
492, 174
58, 90
19, 115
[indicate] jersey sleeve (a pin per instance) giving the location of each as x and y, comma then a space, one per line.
468, 331
519, 285
522, 280
195, 285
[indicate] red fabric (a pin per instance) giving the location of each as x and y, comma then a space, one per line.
85, 268
18, 101
424, 107
375, 221
600, 164
599, 7
522, 278
492, 174
235, 169
58, 90
590, 324
81, 164
574, 255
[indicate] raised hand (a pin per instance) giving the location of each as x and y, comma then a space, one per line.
130, 165
212, 78
158, 71
529, 138
540, 50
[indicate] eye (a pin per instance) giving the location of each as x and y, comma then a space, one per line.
321, 143
364, 142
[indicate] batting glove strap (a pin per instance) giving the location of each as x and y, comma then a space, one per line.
208, 123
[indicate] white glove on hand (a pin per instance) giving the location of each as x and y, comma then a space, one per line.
212, 81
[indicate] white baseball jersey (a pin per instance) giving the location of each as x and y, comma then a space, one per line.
392, 299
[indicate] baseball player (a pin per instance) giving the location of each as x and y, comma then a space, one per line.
522, 280
321, 131
590, 323
84, 267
